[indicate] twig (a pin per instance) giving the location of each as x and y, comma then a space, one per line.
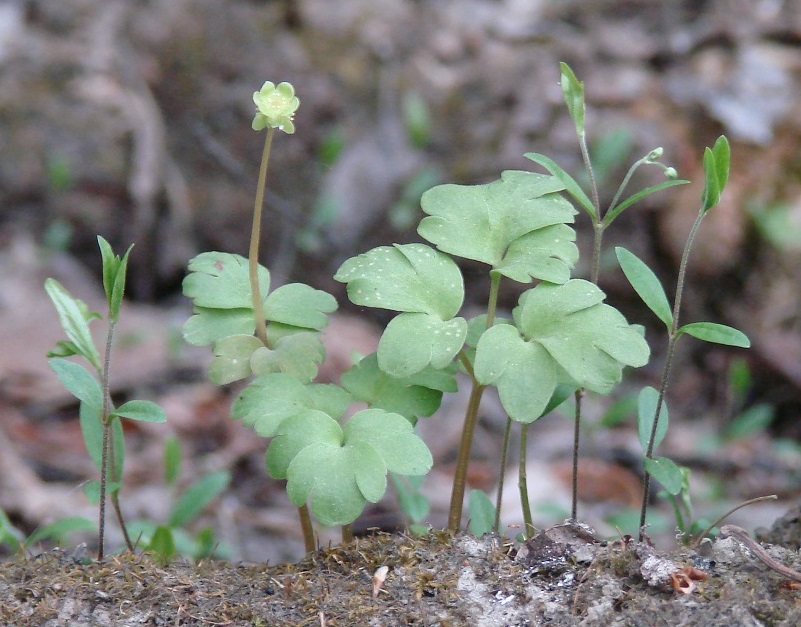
760, 553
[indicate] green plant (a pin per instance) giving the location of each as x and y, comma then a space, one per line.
561, 339
170, 538
648, 287
100, 421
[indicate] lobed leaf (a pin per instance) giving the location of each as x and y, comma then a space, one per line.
221, 281
563, 334
207, 326
646, 284
270, 399
413, 341
368, 383
300, 305
297, 354
482, 222
404, 277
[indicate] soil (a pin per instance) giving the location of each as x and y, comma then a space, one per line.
132, 120
562, 576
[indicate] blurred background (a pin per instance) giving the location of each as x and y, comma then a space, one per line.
131, 119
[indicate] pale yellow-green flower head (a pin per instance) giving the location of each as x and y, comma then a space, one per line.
275, 107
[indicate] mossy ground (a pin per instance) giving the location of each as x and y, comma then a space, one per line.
436, 579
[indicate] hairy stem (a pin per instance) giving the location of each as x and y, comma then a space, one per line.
671, 348
255, 237
104, 455
579, 395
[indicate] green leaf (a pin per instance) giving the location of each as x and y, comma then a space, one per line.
482, 513
646, 410
336, 470
209, 325
666, 472
646, 284
272, 398
299, 305
716, 172
482, 222
232, 357
9, 534
114, 272
198, 496
566, 335
716, 333
91, 490
570, 184
143, 411
297, 432
172, 460
162, 543
393, 437
297, 354
74, 317
412, 502
367, 382
60, 528
221, 281
619, 208
753, 420
406, 277
414, 341
79, 383
573, 93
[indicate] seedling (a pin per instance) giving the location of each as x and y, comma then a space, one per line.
561, 338
100, 421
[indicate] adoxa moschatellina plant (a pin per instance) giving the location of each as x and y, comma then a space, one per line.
560, 335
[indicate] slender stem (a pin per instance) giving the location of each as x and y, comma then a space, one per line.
463, 459
306, 527
671, 348
522, 483
501, 475
347, 534
598, 235
470, 418
579, 395
625, 182
104, 455
255, 237
703, 534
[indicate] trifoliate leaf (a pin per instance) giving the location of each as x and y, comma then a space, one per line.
482, 222
299, 305
337, 470
221, 281
413, 341
404, 277
563, 334
367, 382
547, 254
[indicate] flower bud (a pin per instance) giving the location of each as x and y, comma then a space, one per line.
655, 154
671, 173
